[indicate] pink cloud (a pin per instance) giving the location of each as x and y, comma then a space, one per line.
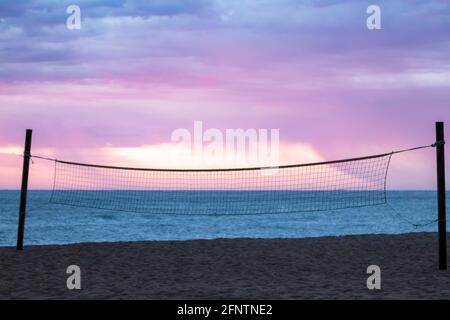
130, 78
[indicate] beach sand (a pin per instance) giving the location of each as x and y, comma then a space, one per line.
312, 268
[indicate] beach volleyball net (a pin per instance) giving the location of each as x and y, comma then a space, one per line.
333, 185
322, 186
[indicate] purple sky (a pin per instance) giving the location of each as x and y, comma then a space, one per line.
135, 72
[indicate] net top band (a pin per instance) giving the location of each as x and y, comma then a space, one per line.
221, 170
233, 169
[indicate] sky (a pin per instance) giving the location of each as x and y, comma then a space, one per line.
115, 90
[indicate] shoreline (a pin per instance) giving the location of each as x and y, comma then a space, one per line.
241, 268
93, 243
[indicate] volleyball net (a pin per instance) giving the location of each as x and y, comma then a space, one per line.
243, 191
333, 185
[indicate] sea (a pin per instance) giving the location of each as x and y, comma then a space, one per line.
46, 223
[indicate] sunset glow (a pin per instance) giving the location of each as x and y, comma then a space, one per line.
114, 91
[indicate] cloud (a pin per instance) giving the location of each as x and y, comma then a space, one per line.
439, 79
137, 70
120, 39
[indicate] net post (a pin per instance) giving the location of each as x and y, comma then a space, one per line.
24, 188
442, 220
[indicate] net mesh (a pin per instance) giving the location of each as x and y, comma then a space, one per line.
288, 189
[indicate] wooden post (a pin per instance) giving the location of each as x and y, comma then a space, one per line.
442, 220
24, 189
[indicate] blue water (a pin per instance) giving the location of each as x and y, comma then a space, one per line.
59, 224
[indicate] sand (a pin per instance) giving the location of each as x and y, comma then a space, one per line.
312, 268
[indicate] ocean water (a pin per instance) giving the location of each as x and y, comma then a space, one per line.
59, 224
